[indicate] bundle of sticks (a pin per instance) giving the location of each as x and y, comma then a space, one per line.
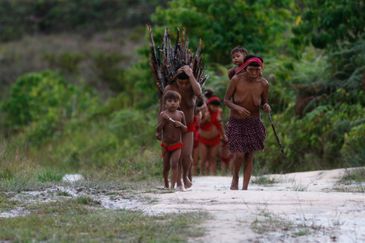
166, 59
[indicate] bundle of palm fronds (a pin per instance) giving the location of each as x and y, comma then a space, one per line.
166, 59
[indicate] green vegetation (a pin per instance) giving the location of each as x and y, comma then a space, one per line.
356, 175
264, 180
49, 222
223, 25
5, 204
266, 223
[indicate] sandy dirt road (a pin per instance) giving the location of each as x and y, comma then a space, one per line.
299, 207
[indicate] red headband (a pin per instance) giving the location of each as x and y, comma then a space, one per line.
248, 62
251, 60
213, 98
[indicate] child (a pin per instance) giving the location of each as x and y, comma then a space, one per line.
238, 55
171, 125
246, 93
211, 133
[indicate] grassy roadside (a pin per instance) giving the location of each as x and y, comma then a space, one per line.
356, 175
267, 223
79, 221
352, 181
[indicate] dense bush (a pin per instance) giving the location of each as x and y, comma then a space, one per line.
224, 24
39, 104
353, 150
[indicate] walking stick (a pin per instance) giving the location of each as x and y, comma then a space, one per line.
283, 156
276, 136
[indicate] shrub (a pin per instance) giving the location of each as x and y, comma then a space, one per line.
39, 104
353, 148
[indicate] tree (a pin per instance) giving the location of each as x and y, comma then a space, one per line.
224, 24
329, 24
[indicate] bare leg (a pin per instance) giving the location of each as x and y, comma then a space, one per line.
203, 158
166, 168
175, 157
179, 184
247, 169
212, 159
195, 160
237, 161
187, 159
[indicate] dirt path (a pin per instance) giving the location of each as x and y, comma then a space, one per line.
297, 207
300, 207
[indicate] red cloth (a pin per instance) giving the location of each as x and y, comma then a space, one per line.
172, 147
191, 127
211, 141
213, 121
245, 64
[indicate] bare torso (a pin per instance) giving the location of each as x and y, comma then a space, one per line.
170, 133
213, 131
248, 93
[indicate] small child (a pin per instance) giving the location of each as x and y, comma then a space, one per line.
238, 55
171, 125
211, 133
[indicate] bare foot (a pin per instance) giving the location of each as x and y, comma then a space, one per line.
234, 184
187, 183
180, 188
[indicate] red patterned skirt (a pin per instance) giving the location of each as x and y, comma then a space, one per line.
245, 135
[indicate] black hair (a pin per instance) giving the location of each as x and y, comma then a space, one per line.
208, 93
215, 102
239, 49
170, 94
182, 76
199, 102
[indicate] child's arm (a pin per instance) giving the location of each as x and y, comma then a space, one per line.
181, 123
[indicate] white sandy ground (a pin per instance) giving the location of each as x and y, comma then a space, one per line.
300, 207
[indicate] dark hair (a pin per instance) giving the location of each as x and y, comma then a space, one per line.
171, 95
215, 102
199, 102
208, 93
182, 76
253, 64
239, 49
